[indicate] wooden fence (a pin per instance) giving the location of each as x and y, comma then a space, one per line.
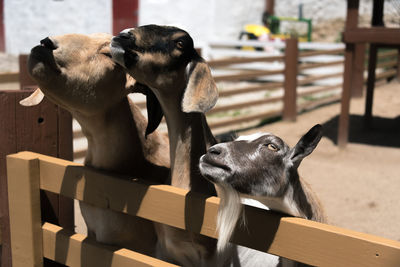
45, 128
294, 238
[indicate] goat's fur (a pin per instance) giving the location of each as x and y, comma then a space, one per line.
158, 57
262, 170
76, 72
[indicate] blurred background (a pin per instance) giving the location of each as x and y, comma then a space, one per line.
24, 22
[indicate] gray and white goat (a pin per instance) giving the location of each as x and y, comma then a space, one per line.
260, 170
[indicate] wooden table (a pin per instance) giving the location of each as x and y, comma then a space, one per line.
356, 39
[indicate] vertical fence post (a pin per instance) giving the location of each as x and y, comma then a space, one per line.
357, 81
290, 82
7, 146
373, 52
23, 180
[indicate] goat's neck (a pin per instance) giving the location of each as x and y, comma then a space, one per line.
113, 139
190, 137
297, 201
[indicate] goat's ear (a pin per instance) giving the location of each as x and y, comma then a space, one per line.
34, 99
201, 93
306, 144
154, 110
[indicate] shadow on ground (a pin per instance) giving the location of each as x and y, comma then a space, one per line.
382, 132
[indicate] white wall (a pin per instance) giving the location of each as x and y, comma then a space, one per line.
204, 19
26, 22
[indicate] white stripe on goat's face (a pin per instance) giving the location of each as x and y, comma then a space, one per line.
254, 164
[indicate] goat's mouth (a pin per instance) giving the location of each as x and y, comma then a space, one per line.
121, 52
214, 169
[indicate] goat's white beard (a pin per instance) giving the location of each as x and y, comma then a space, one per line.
229, 213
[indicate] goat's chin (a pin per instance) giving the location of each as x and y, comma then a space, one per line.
229, 213
213, 173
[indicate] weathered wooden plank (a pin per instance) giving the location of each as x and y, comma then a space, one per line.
9, 77
247, 75
305, 66
245, 104
24, 207
323, 52
77, 250
251, 89
240, 60
372, 35
8, 146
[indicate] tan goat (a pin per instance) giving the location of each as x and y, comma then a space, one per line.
77, 73
164, 60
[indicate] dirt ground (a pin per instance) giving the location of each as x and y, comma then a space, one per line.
359, 186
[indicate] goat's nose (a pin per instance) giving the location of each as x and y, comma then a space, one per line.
215, 150
48, 43
126, 35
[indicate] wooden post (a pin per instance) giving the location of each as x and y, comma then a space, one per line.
270, 7
46, 129
377, 20
373, 51
8, 146
351, 23
290, 82
377, 13
23, 180
357, 82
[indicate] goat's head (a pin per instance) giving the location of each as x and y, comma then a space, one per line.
76, 71
258, 165
158, 57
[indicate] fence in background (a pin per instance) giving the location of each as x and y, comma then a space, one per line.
298, 80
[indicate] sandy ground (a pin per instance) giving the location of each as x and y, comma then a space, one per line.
359, 186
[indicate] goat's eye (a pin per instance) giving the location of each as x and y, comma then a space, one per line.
272, 147
180, 44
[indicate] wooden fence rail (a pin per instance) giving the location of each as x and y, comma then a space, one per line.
294, 238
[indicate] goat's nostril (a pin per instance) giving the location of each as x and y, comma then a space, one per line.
48, 43
214, 150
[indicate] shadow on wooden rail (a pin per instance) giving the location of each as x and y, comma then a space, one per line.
294, 238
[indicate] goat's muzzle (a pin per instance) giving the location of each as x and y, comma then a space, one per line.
214, 165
